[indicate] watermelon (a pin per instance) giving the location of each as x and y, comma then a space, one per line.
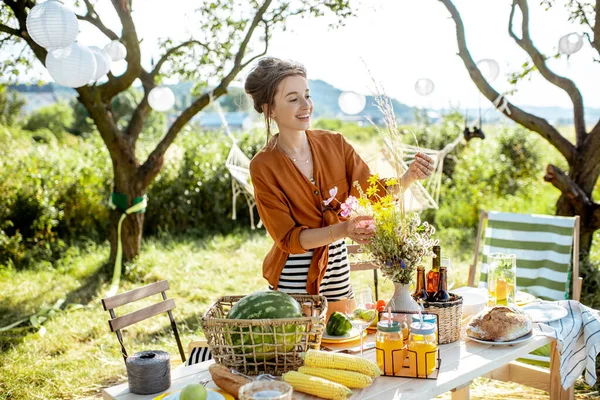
266, 305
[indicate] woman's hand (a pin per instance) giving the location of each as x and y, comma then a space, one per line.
420, 169
360, 228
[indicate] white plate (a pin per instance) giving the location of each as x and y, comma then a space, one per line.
517, 340
544, 312
354, 332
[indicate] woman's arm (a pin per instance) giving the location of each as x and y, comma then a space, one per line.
420, 169
318, 237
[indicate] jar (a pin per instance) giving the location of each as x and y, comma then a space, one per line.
422, 349
429, 318
390, 350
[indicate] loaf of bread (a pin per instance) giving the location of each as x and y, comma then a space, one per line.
499, 324
226, 380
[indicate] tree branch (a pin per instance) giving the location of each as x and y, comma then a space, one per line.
596, 41
539, 61
530, 121
152, 165
93, 18
596, 217
577, 197
10, 31
117, 85
172, 51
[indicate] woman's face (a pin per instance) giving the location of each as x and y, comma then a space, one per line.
293, 105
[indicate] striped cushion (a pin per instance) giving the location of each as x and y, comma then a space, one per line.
198, 355
543, 246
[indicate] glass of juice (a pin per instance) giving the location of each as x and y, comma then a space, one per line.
502, 279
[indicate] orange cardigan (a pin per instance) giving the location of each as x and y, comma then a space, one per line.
288, 202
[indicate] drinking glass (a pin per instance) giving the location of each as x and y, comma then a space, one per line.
501, 279
357, 311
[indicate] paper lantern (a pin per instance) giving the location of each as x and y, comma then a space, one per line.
76, 70
570, 44
424, 86
351, 102
489, 69
118, 68
52, 25
161, 98
116, 50
102, 62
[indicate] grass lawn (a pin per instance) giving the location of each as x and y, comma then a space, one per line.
75, 355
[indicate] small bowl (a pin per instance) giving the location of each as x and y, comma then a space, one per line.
473, 303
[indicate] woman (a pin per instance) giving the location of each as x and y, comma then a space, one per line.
292, 176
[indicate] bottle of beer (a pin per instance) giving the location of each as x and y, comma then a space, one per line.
442, 292
433, 276
420, 292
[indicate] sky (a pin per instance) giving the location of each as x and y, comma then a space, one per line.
399, 42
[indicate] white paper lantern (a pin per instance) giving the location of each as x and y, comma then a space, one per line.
116, 50
161, 98
102, 62
76, 70
52, 25
424, 86
570, 44
351, 102
489, 69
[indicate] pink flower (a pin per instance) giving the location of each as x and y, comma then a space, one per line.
348, 206
332, 192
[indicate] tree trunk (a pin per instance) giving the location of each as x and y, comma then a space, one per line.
584, 173
127, 183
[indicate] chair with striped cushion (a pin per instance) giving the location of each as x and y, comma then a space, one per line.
546, 247
547, 252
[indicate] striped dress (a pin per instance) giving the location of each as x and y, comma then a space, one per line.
336, 282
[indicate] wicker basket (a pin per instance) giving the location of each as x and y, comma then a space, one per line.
449, 315
274, 346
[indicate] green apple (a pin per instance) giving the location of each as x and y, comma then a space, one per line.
193, 391
368, 315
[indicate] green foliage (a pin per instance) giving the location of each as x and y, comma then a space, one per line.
10, 106
57, 118
193, 192
59, 196
64, 185
354, 132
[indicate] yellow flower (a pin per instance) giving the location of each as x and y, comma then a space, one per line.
363, 202
391, 182
387, 201
376, 207
373, 179
371, 190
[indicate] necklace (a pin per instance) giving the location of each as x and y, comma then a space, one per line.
295, 159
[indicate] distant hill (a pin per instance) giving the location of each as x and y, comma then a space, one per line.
324, 95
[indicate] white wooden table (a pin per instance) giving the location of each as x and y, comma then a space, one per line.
462, 361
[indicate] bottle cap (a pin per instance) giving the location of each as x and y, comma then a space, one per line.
384, 326
422, 329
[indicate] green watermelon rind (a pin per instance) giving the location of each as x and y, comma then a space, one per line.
265, 305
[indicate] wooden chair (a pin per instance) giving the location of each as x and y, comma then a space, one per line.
361, 265
519, 372
118, 323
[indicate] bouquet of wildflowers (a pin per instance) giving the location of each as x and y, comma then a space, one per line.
401, 241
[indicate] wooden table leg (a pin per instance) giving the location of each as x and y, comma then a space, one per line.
462, 392
556, 390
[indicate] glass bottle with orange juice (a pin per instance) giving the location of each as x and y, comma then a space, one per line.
501, 279
422, 349
390, 350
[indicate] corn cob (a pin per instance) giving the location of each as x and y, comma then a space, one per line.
324, 359
316, 386
351, 379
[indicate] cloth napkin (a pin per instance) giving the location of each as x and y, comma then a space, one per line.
578, 341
